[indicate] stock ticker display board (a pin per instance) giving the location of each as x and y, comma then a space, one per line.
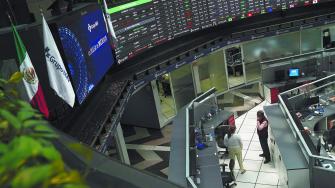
142, 24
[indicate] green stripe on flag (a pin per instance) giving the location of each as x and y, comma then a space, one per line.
20, 48
126, 6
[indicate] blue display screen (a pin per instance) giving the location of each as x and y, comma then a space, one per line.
294, 72
87, 49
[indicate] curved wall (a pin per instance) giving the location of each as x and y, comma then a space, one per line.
170, 56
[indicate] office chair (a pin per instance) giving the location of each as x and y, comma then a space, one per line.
228, 178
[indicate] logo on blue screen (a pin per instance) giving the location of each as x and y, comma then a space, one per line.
88, 53
91, 27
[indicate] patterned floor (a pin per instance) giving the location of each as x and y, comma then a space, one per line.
241, 100
149, 149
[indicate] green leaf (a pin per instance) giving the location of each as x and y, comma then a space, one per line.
16, 77
20, 149
10, 118
32, 176
13, 93
33, 123
4, 124
43, 128
3, 81
2, 94
40, 129
75, 186
3, 148
43, 136
72, 177
25, 105
25, 114
51, 154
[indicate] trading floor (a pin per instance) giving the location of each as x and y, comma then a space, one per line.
258, 174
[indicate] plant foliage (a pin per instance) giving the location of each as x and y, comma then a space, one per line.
27, 156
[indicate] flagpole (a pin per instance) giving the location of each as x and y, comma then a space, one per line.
41, 10
12, 12
10, 18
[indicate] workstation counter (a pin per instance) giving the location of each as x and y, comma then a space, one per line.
207, 160
286, 154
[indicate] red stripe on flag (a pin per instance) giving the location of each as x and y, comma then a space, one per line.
38, 101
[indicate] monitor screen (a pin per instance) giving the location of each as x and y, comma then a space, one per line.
87, 49
294, 72
142, 24
313, 100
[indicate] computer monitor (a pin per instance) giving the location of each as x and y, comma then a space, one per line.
313, 100
279, 75
293, 72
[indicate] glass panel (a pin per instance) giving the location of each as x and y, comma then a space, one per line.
271, 48
252, 71
212, 72
311, 40
182, 86
165, 96
328, 36
234, 66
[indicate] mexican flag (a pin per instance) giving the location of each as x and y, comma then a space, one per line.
30, 80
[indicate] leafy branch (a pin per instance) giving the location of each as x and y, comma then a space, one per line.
27, 156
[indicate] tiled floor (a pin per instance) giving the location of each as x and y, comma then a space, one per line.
241, 100
258, 175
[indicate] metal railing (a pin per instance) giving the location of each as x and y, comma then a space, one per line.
288, 101
210, 94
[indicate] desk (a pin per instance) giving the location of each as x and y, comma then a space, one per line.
207, 160
286, 154
177, 162
329, 110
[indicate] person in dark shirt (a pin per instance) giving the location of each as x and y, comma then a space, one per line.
262, 131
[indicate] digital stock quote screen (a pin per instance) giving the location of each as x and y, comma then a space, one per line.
87, 49
142, 24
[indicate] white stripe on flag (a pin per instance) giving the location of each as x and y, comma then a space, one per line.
30, 79
58, 76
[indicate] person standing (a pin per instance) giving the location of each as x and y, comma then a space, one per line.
262, 131
234, 144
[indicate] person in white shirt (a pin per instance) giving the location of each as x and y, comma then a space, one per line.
234, 144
